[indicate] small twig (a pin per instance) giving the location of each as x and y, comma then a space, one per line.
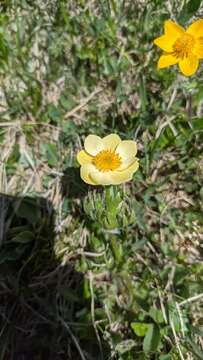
181, 318
162, 306
82, 103
170, 278
189, 300
173, 96
153, 250
176, 338
39, 315
165, 124
90, 254
156, 170
11, 124
73, 338
175, 200
102, 276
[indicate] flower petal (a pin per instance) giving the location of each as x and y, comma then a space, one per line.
84, 158
172, 29
111, 141
93, 144
127, 149
119, 177
198, 48
165, 42
196, 28
127, 163
85, 173
189, 65
166, 60
101, 178
92, 176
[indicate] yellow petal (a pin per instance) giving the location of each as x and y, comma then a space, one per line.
112, 177
119, 177
126, 149
84, 158
85, 173
166, 60
172, 29
196, 28
198, 49
111, 141
189, 65
101, 178
134, 167
127, 163
91, 175
165, 42
93, 144
172, 32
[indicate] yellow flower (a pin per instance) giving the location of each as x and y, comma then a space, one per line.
108, 160
182, 47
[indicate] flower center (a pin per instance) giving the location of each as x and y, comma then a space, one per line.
183, 46
107, 160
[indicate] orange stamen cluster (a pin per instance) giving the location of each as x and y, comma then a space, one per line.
183, 46
107, 160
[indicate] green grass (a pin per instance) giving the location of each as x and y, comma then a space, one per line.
92, 273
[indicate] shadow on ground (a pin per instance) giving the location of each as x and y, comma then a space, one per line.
44, 314
72, 185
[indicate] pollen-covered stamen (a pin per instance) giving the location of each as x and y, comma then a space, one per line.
183, 46
107, 160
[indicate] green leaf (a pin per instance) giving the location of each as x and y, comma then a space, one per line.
174, 316
140, 329
28, 211
86, 290
151, 340
54, 113
198, 124
189, 10
156, 315
165, 357
52, 154
3, 50
125, 346
142, 303
193, 6
24, 237
50, 151
67, 103
117, 249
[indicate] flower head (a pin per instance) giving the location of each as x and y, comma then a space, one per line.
182, 47
108, 160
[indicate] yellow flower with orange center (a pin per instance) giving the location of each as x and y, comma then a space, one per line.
108, 160
182, 47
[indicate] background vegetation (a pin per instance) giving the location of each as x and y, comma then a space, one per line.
93, 274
